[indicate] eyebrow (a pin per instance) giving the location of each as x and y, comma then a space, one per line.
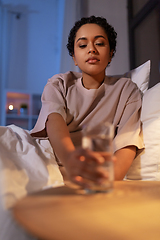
84, 38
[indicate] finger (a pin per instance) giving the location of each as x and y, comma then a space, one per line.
81, 182
89, 169
88, 182
98, 175
90, 156
95, 175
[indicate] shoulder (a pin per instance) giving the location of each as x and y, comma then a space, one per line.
125, 88
121, 83
120, 80
65, 77
61, 83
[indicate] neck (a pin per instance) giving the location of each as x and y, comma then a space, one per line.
92, 82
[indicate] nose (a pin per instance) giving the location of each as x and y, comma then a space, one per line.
92, 48
91, 51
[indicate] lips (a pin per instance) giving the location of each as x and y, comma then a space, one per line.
92, 60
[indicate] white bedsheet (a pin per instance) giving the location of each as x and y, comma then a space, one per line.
27, 164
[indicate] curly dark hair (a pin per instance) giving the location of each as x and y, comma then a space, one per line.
102, 22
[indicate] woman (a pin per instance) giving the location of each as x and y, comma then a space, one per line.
72, 100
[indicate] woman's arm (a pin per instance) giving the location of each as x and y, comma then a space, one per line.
71, 158
59, 136
124, 159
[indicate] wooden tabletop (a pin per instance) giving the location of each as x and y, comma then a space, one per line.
130, 212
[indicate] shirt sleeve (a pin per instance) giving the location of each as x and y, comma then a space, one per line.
128, 130
53, 101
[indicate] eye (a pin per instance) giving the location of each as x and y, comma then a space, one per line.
100, 43
82, 46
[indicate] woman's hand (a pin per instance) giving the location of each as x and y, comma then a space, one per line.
85, 167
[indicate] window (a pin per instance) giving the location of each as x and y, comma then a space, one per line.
144, 35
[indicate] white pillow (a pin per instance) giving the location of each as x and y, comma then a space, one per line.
140, 75
147, 165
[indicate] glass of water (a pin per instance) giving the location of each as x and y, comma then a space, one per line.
99, 138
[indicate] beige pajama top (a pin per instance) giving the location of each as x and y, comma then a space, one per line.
117, 100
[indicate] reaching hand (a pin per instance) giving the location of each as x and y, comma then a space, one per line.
85, 167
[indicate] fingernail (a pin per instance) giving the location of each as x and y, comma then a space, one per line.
78, 178
82, 158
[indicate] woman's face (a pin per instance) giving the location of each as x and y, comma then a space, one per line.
91, 49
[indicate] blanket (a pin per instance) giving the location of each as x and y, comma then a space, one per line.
27, 164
